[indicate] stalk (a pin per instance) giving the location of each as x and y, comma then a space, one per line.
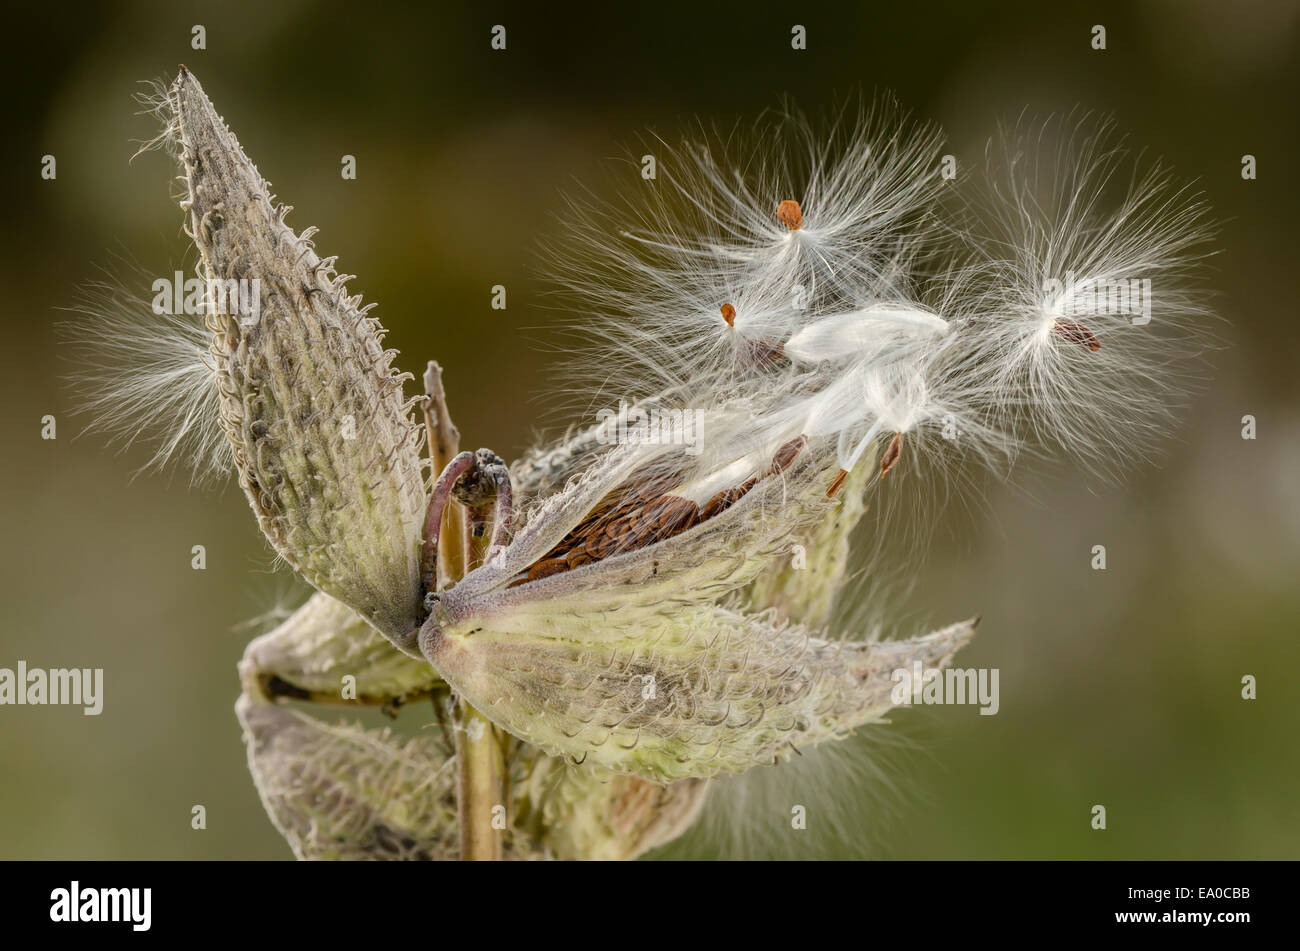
480, 747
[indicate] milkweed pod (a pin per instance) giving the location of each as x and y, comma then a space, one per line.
716, 692
310, 653
342, 792
583, 812
322, 438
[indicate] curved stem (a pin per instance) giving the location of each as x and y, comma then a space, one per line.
456, 469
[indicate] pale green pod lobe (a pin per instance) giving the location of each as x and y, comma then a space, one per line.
323, 440
719, 693
342, 792
803, 583
581, 812
309, 655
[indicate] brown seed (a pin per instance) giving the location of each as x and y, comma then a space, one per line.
729, 315
671, 515
718, 504
785, 456
791, 214
892, 452
1077, 333
598, 544
544, 569
761, 354
837, 483
726, 499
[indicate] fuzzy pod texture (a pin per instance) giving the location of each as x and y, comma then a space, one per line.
806, 590
342, 792
581, 812
322, 436
335, 791
307, 656
652, 583
713, 692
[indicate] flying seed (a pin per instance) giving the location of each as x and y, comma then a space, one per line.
892, 452
790, 214
729, 315
1077, 333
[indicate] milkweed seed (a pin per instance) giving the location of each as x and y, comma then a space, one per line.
1076, 333
786, 455
791, 214
892, 452
837, 483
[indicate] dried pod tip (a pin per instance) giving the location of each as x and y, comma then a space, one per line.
837, 483
729, 315
790, 214
892, 452
1077, 333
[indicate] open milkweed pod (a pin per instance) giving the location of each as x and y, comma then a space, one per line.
322, 437
644, 531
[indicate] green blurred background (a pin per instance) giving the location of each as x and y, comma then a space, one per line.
1119, 687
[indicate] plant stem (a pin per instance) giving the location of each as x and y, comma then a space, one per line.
481, 780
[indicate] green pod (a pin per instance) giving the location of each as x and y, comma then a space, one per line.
717, 692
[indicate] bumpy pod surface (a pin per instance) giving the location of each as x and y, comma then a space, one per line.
342, 792
310, 653
709, 691
582, 812
322, 437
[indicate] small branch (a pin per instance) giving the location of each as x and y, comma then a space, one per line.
444, 437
